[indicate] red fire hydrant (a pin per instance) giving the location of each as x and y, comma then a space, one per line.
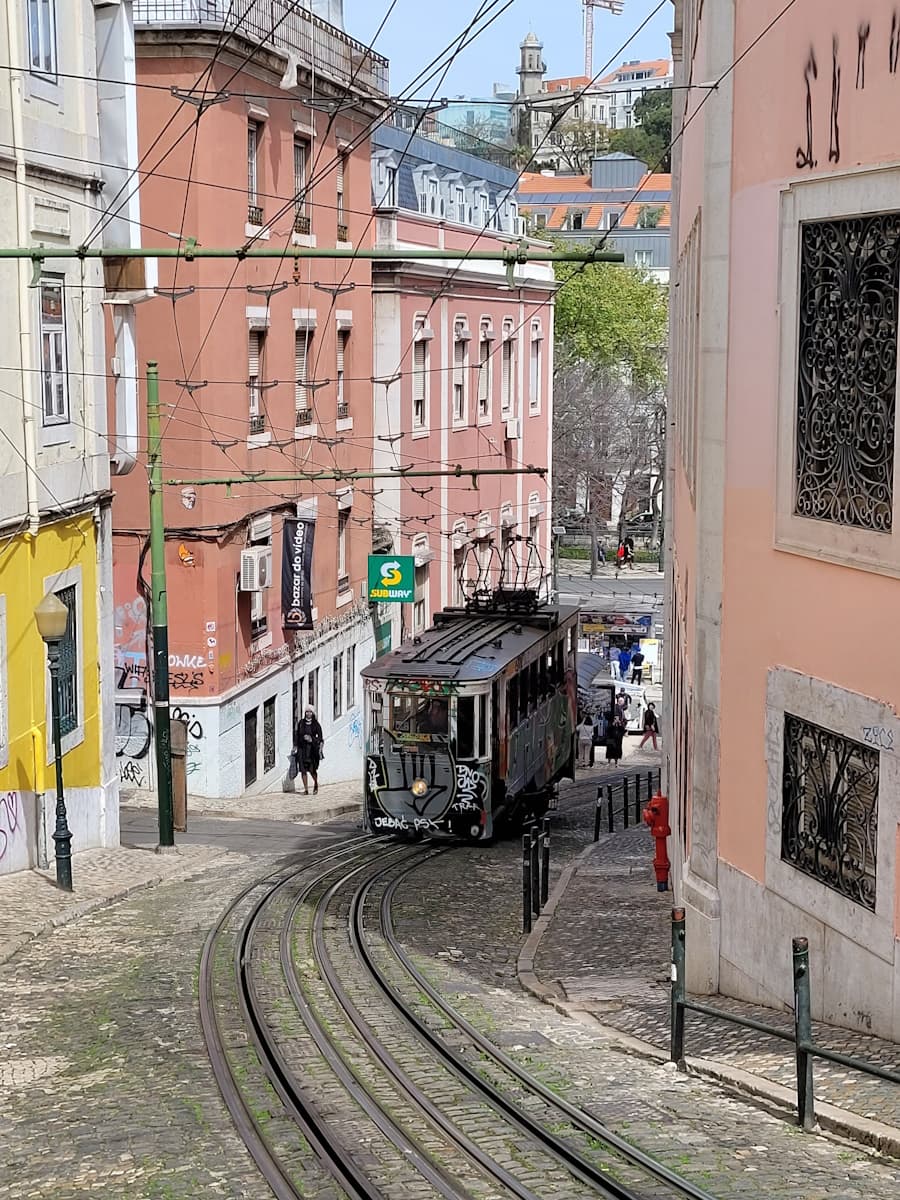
656, 816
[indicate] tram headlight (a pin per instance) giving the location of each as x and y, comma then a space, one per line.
419, 787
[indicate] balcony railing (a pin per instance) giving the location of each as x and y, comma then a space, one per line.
304, 417
257, 423
283, 25
343, 410
301, 223
254, 214
343, 233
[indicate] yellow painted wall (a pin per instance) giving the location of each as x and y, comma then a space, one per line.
24, 565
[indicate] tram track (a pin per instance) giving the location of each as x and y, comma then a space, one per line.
347, 1073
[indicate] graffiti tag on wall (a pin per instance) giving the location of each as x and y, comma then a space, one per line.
12, 821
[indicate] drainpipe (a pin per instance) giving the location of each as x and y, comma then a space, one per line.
29, 421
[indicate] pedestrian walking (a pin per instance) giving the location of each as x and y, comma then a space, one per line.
628, 547
620, 558
308, 741
615, 735
614, 662
624, 663
585, 741
637, 665
651, 726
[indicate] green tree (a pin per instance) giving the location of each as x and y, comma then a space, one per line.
612, 317
648, 139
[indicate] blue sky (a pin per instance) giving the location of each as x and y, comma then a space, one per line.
419, 29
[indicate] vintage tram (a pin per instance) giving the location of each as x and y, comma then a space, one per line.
471, 724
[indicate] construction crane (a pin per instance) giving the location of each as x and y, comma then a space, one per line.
613, 6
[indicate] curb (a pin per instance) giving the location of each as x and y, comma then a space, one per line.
11, 948
336, 812
778, 1099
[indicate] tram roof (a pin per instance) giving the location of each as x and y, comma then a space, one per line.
469, 647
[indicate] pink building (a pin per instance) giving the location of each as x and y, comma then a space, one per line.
783, 678
264, 368
463, 373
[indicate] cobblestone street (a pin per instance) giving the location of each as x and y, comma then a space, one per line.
105, 1086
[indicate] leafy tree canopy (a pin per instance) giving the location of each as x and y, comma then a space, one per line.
648, 139
612, 316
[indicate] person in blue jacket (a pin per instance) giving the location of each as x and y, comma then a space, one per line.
624, 662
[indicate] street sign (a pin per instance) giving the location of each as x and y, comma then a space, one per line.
392, 578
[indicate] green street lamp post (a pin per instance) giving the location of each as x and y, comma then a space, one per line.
52, 619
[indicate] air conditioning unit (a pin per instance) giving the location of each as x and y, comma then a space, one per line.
256, 568
513, 429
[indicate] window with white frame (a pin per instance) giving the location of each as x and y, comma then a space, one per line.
254, 135
351, 677
535, 367
460, 369
337, 685
343, 404
484, 369
68, 665
256, 340
342, 529
53, 351
302, 339
389, 196
459, 562
420, 375
420, 592
301, 161
42, 37
340, 184
507, 370
460, 197
643, 258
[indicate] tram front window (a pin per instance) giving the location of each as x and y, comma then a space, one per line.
418, 714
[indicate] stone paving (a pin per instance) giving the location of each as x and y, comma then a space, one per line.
607, 949
467, 939
334, 801
32, 904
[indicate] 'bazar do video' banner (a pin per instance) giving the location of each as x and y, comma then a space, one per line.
296, 573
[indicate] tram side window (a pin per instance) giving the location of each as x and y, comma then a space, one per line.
512, 701
482, 724
559, 653
534, 693
465, 727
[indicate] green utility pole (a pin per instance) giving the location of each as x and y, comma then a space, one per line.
159, 614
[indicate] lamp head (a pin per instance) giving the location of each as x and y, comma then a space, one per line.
52, 617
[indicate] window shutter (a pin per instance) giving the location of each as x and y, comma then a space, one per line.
507, 373
484, 372
300, 346
341, 349
339, 175
459, 361
253, 355
419, 371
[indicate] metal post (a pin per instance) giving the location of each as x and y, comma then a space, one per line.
649, 785
62, 836
545, 861
610, 815
535, 870
624, 803
526, 883
676, 1017
637, 799
159, 614
597, 813
806, 1115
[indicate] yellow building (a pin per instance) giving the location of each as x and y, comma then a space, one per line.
63, 558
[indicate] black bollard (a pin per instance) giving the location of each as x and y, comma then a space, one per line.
597, 814
545, 863
610, 815
625, 804
535, 870
526, 883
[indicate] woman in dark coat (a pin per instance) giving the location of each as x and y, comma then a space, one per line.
308, 748
615, 734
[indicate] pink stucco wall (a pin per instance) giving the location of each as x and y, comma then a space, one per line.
477, 442
203, 336
779, 608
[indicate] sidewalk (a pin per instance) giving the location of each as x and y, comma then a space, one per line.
335, 800
31, 904
602, 949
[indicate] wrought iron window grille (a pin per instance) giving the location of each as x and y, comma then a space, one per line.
829, 822
847, 371
255, 215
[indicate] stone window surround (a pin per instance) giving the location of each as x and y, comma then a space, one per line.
71, 577
851, 715
865, 191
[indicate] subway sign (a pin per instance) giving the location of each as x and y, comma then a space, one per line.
392, 578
